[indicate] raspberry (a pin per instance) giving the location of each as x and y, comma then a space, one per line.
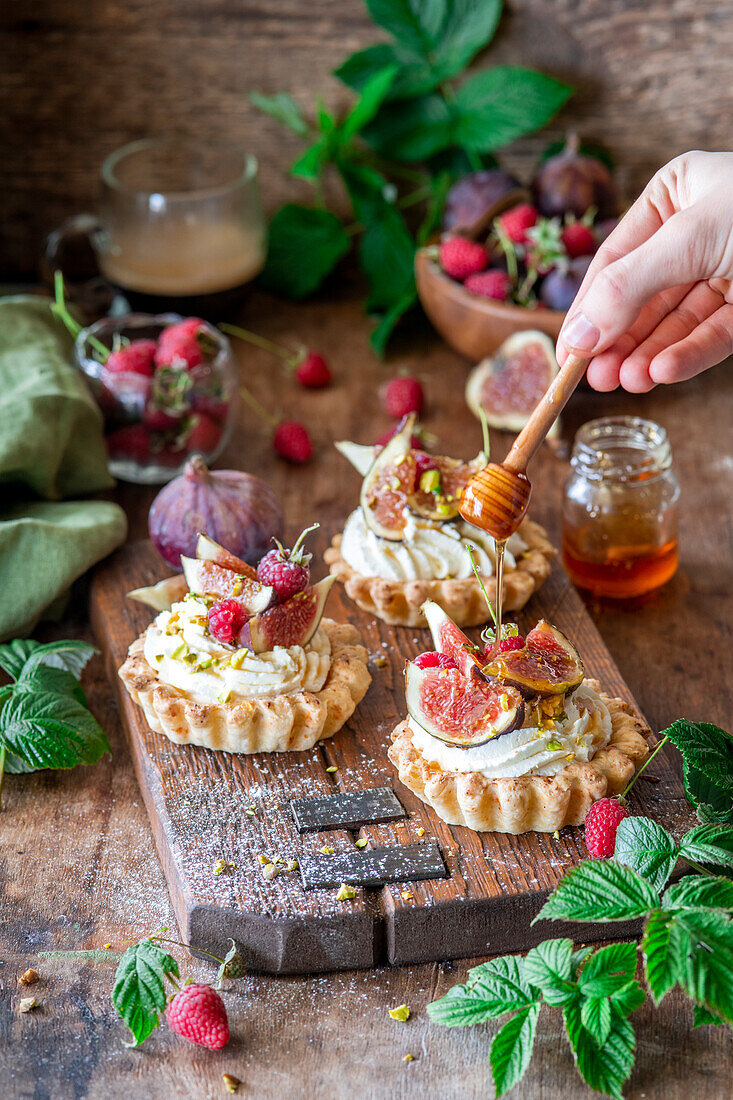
505, 645
431, 659
226, 619
423, 463
402, 396
198, 1014
517, 221
131, 442
160, 421
215, 407
313, 372
578, 240
179, 344
287, 571
490, 284
460, 257
604, 818
204, 435
292, 442
134, 358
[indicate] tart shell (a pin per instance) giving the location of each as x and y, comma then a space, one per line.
293, 721
529, 802
399, 602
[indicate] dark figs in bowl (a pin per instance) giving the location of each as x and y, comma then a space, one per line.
548, 664
572, 182
560, 287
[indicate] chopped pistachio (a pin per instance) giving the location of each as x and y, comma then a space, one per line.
406, 895
345, 893
224, 696
270, 871
263, 858
556, 834
27, 1003
325, 851
292, 865
361, 843
250, 812
28, 977
554, 745
237, 588
444, 510
190, 658
179, 653
332, 769
237, 658
409, 1058
231, 1083
204, 664
430, 481
421, 831
220, 866
402, 1013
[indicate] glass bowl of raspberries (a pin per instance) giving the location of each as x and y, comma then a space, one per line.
166, 386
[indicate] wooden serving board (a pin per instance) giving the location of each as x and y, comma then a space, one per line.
198, 801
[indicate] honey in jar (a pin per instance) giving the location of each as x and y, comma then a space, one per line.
620, 508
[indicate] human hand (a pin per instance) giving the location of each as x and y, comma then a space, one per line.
656, 304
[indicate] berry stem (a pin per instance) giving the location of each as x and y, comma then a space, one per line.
648, 761
257, 408
61, 311
179, 943
301, 539
469, 548
258, 341
697, 867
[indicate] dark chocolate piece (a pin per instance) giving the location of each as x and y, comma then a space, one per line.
372, 867
346, 810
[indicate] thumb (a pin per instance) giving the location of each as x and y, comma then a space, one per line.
678, 253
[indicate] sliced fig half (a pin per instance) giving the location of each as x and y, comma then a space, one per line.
509, 385
548, 664
450, 640
388, 484
163, 595
438, 491
206, 578
291, 623
360, 455
208, 550
460, 711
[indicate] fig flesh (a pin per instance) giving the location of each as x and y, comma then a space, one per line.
457, 710
548, 664
448, 476
360, 455
208, 550
450, 640
206, 578
389, 482
163, 595
509, 385
291, 623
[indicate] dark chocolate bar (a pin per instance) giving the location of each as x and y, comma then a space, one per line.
346, 810
372, 867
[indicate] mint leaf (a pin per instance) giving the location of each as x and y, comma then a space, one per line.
371, 99
596, 890
493, 989
416, 24
709, 844
663, 946
282, 107
595, 1013
548, 967
700, 892
138, 994
608, 970
701, 1017
603, 1066
45, 730
646, 847
500, 104
13, 655
706, 748
304, 247
511, 1049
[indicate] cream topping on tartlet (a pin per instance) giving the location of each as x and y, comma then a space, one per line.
429, 550
584, 727
185, 656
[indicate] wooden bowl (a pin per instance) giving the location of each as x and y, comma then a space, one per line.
474, 326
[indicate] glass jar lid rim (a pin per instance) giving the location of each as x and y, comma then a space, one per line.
621, 447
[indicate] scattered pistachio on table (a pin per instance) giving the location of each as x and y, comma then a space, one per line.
29, 977
27, 1003
401, 1013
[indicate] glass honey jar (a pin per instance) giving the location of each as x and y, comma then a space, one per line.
620, 508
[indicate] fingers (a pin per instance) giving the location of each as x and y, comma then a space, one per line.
708, 344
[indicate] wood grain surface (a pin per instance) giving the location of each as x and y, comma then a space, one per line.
78, 866
80, 79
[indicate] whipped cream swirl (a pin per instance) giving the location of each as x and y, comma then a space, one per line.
185, 656
429, 550
531, 750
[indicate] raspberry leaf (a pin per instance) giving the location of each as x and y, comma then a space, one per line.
498, 105
598, 890
511, 1049
663, 948
702, 1017
282, 107
595, 1013
296, 232
24, 654
707, 962
549, 968
42, 729
700, 892
56, 680
604, 1066
646, 847
493, 989
706, 748
709, 844
138, 994
608, 970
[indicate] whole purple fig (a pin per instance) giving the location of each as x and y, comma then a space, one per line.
472, 196
559, 288
571, 183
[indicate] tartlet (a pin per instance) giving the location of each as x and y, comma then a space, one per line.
229, 666
406, 542
536, 767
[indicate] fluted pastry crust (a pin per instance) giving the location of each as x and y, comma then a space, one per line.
399, 602
529, 802
280, 724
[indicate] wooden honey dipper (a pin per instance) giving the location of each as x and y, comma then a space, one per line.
496, 498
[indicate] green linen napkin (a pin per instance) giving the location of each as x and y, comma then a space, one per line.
51, 446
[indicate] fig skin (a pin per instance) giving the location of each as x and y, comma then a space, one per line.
560, 287
473, 195
531, 669
570, 183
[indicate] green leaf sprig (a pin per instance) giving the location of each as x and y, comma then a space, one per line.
44, 720
419, 122
687, 941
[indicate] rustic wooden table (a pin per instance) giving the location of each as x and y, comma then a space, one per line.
78, 865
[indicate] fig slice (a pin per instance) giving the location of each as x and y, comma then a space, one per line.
450, 640
291, 623
163, 595
509, 385
360, 455
206, 578
548, 664
208, 550
449, 477
457, 710
389, 482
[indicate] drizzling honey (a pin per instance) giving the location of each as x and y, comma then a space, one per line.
500, 547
